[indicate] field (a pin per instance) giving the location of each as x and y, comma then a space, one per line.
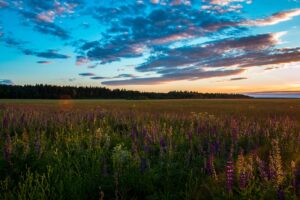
164, 149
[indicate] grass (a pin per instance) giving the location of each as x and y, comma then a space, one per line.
162, 149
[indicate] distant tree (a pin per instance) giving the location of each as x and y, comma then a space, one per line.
68, 92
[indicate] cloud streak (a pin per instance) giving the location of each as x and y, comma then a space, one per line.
273, 19
50, 54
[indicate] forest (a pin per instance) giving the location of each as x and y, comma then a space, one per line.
68, 92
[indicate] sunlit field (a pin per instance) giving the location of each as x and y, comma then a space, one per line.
159, 149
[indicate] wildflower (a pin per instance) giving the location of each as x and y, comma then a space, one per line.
37, 144
190, 137
104, 168
163, 145
146, 148
25, 140
143, 165
210, 167
293, 170
280, 194
241, 170
5, 122
134, 134
275, 166
262, 169
229, 175
230, 172
8, 148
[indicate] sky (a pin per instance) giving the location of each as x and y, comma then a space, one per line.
235, 46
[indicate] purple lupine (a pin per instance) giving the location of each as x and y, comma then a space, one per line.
294, 175
280, 194
134, 134
210, 168
229, 175
143, 165
104, 169
214, 131
212, 148
163, 145
262, 168
7, 148
134, 149
230, 172
144, 133
209, 164
217, 146
243, 180
146, 148
37, 144
297, 180
190, 136
5, 122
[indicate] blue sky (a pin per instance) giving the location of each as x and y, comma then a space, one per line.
152, 45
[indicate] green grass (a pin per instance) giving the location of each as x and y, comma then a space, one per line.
159, 149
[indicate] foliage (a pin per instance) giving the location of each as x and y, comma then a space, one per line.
68, 92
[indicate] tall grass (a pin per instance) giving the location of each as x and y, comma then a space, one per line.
152, 150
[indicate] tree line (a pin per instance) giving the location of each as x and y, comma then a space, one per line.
69, 92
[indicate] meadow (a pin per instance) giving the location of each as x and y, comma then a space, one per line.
158, 149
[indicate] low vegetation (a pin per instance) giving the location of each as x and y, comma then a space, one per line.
179, 149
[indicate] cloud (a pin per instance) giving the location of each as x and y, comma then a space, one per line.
273, 19
126, 76
44, 62
3, 4
81, 60
214, 59
6, 82
115, 77
87, 74
44, 26
50, 54
212, 54
271, 68
98, 77
57, 10
224, 6
41, 15
238, 79
10, 41
191, 74
130, 36
227, 2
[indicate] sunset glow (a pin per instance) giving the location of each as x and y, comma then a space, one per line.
238, 46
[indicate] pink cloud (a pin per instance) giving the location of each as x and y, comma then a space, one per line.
48, 16
3, 4
273, 19
59, 9
82, 60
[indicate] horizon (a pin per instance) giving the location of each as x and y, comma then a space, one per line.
257, 95
208, 46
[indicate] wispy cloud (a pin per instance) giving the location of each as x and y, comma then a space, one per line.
194, 74
87, 74
50, 54
273, 19
6, 82
44, 62
3, 4
238, 79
